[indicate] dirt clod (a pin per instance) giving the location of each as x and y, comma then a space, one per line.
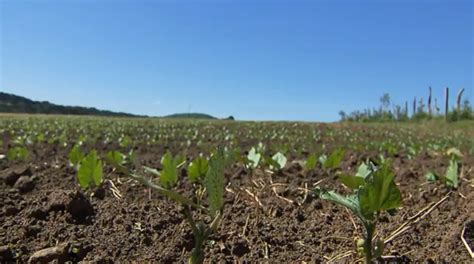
240, 248
58, 253
6, 254
24, 184
80, 207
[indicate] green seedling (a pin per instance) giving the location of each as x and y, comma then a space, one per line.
197, 169
125, 141
17, 153
213, 182
169, 174
332, 161
75, 156
311, 162
253, 159
373, 191
450, 178
277, 162
90, 171
116, 157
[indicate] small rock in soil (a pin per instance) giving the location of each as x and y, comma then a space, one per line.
57, 201
10, 176
99, 193
24, 184
31, 231
38, 214
23, 170
80, 207
469, 233
6, 254
318, 205
11, 210
240, 248
75, 203
59, 253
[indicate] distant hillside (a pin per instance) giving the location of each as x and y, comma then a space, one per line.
190, 115
10, 103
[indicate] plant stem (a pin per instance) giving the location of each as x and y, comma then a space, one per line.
197, 255
369, 228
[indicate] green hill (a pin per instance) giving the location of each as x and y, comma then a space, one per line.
190, 115
10, 103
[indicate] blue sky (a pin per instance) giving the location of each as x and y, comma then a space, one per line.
256, 60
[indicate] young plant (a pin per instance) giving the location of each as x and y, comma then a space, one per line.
197, 169
334, 160
90, 171
450, 178
116, 157
208, 174
169, 174
310, 163
277, 162
373, 191
75, 156
252, 161
17, 153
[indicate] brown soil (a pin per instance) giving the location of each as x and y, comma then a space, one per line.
45, 216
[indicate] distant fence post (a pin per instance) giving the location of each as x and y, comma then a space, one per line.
446, 103
429, 103
458, 99
414, 107
406, 108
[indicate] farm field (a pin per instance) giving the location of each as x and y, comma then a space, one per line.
271, 211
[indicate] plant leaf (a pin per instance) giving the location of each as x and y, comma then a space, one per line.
152, 171
452, 177
322, 159
17, 153
279, 161
334, 160
310, 163
380, 193
169, 174
90, 171
363, 171
350, 202
352, 182
431, 177
197, 169
115, 157
214, 182
75, 155
254, 158
454, 153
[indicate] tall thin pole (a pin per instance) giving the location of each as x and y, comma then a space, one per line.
446, 103
429, 103
414, 107
458, 99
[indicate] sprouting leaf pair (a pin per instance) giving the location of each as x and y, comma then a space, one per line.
90, 171
89, 168
450, 178
333, 160
169, 174
254, 159
209, 173
373, 191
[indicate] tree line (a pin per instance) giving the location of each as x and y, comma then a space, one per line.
420, 110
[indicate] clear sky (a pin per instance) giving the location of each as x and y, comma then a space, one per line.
256, 60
